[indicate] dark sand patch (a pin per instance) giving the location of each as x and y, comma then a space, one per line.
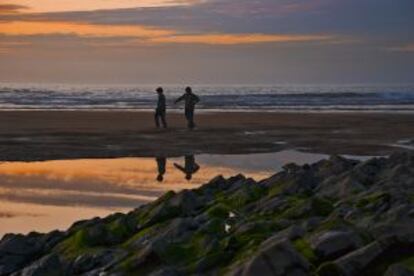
45, 135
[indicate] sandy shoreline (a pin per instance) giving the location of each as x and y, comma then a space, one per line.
44, 135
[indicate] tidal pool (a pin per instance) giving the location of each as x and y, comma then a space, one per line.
43, 196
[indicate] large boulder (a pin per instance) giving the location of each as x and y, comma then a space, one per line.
98, 260
354, 262
275, 257
49, 265
334, 243
16, 251
399, 270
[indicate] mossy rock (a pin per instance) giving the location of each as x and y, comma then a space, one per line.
78, 243
218, 211
409, 263
329, 269
213, 261
119, 230
373, 199
254, 233
334, 223
303, 247
278, 188
214, 226
298, 208
321, 207
135, 266
179, 253
246, 194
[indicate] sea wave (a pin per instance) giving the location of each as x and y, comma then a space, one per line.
281, 97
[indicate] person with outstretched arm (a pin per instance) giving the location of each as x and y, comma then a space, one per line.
161, 110
190, 167
190, 101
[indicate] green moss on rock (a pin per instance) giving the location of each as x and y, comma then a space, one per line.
329, 269
372, 199
218, 211
409, 263
303, 247
78, 243
321, 207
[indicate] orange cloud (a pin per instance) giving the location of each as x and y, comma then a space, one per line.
11, 9
145, 34
234, 39
22, 28
44, 6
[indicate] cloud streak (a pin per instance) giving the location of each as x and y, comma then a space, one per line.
237, 39
145, 34
404, 48
11, 9
46, 6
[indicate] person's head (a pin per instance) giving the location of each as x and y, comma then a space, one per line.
159, 90
160, 178
188, 176
188, 90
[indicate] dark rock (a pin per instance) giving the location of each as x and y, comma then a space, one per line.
16, 251
49, 265
275, 257
312, 223
335, 243
355, 262
166, 272
399, 270
293, 232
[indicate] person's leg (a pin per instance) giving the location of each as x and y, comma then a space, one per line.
190, 118
156, 117
163, 119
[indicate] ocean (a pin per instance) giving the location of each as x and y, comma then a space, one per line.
306, 98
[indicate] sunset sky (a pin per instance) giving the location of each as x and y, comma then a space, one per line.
207, 41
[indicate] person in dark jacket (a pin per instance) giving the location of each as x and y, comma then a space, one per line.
190, 101
161, 110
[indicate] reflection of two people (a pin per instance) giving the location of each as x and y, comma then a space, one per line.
190, 167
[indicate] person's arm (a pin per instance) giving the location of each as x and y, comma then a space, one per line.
196, 99
181, 168
196, 168
179, 99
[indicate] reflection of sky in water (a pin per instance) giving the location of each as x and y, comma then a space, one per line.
47, 195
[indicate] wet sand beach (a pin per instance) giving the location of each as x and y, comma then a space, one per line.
50, 135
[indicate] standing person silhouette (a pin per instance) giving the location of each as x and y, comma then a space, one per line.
161, 110
190, 167
190, 101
